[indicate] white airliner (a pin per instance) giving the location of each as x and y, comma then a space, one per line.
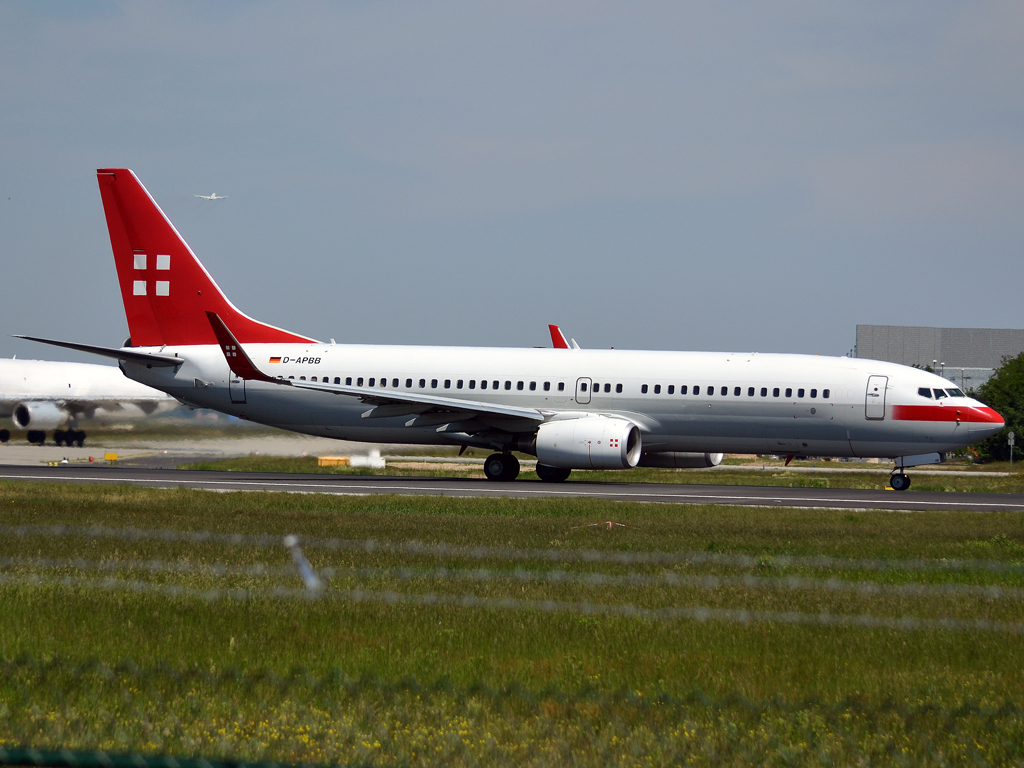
39, 395
214, 196
588, 409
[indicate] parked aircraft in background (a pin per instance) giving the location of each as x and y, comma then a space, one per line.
214, 196
40, 395
600, 409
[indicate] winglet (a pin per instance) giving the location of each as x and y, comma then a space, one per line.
238, 361
557, 339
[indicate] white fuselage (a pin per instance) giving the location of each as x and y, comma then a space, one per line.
827, 411
73, 391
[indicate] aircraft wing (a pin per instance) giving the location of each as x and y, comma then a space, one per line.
389, 402
117, 354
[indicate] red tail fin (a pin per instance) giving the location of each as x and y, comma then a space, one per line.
166, 290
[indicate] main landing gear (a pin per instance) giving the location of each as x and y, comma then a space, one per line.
899, 481
70, 437
552, 474
503, 467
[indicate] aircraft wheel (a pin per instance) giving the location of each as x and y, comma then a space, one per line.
79, 438
899, 482
502, 467
58, 436
36, 437
552, 474
5, 435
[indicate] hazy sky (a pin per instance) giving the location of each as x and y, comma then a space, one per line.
735, 176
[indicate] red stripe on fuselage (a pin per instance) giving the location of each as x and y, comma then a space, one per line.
974, 415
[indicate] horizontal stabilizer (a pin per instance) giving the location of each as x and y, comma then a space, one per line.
146, 358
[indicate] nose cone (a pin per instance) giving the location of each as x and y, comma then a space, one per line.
984, 422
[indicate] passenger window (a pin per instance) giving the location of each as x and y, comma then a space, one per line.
313, 379
750, 391
561, 386
775, 392
643, 389
423, 383
458, 384
508, 385
682, 389
925, 392
736, 391
383, 382
618, 388
337, 379
799, 393
596, 387
583, 387
696, 389
789, 391
671, 389
519, 385
291, 377
408, 383
448, 384
348, 381
494, 385
394, 382
764, 391
824, 393
814, 393
302, 378
483, 384
372, 381
547, 386
939, 393
433, 383
472, 383
533, 386
657, 389
607, 387
359, 381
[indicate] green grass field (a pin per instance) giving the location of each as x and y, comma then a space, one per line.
92, 664
983, 478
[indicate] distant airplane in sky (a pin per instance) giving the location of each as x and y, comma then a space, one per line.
39, 395
214, 196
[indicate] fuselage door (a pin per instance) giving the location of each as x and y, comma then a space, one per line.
874, 399
236, 388
583, 387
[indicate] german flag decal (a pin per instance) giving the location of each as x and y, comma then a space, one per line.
275, 359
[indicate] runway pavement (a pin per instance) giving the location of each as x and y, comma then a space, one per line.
832, 498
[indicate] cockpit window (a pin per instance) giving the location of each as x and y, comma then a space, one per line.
924, 392
939, 393
956, 393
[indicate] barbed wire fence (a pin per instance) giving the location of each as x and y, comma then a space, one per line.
289, 575
317, 584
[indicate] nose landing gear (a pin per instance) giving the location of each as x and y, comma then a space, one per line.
899, 481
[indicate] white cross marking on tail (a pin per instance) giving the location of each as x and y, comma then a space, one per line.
163, 288
139, 288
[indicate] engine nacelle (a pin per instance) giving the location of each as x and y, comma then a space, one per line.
681, 460
594, 442
38, 416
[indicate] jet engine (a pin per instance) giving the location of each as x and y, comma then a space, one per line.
39, 416
595, 442
681, 460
